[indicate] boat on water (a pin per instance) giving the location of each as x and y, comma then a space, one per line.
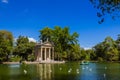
84, 63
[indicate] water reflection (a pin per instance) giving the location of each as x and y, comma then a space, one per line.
88, 72
45, 71
67, 71
14, 65
100, 71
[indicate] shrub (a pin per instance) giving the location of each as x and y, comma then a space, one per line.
100, 59
15, 59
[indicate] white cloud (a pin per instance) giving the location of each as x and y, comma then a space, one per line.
4, 1
32, 39
15, 39
87, 48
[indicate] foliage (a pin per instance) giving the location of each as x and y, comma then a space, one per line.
90, 54
66, 47
31, 57
23, 47
82, 54
118, 45
105, 7
107, 50
64, 41
75, 53
100, 59
15, 59
6, 44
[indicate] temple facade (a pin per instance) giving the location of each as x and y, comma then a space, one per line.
44, 51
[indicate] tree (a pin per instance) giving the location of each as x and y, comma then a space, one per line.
118, 41
90, 54
111, 49
82, 54
61, 38
107, 50
6, 45
23, 47
45, 34
118, 45
99, 50
106, 7
74, 53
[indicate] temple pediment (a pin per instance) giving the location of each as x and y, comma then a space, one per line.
47, 43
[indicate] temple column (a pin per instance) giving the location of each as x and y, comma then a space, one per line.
53, 53
38, 55
45, 54
41, 54
49, 54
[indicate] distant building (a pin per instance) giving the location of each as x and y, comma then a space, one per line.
44, 51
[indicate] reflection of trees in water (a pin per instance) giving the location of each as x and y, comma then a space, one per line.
93, 71
4, 72
45, 71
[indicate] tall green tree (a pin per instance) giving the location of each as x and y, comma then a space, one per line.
45, 34
6, 44
75, 53
90, 54
118, 45
82, 54
23, 47
107, 50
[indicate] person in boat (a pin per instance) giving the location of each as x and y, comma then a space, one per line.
84, 62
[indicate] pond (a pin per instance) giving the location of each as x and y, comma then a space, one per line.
67, 71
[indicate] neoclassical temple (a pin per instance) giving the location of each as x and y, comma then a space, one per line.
44, 51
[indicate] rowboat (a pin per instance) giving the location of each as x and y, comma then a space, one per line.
84, 63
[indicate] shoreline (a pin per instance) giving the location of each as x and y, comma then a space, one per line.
35, 62
10, 63
55, 62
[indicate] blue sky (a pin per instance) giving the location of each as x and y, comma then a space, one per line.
27, 17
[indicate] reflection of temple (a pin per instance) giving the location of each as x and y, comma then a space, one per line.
45, 71
44, 51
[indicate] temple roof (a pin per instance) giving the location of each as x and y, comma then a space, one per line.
46, 43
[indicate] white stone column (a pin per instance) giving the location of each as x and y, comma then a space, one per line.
45, 54
37, 55
49, 53
41, 54
53, 53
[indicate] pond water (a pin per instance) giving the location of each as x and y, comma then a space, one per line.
67, 71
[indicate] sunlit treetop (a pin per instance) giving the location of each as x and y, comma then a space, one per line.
106, 7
